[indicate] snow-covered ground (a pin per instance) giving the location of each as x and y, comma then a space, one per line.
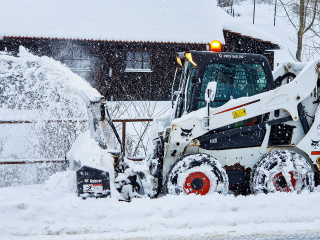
53, 211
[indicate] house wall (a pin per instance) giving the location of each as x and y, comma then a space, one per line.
107, 62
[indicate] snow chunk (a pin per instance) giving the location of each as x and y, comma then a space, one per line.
88, 152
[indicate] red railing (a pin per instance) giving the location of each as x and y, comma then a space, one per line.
124, 121
31, 161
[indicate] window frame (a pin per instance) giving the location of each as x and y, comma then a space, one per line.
75, 56
134, 61
77, 59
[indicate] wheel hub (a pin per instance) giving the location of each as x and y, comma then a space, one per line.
281, 184
197, 183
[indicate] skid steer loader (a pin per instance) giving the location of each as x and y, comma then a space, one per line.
236, 127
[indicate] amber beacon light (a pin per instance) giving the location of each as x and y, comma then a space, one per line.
215, 45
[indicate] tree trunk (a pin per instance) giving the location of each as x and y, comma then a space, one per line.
299, 46
301, 29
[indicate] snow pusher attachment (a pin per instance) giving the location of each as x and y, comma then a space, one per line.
235, 127
92, 182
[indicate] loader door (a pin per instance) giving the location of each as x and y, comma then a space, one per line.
233, 81
186, 88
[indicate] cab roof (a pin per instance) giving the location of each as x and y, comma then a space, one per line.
206, 57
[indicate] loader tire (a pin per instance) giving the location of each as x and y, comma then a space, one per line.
196, 173
282, 171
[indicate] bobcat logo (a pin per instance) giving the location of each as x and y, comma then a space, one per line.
315, 144
186, 133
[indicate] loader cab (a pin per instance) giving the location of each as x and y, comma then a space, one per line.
237, 75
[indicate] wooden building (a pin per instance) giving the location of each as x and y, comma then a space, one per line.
138, 61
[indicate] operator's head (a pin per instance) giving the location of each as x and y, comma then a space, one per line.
226, 74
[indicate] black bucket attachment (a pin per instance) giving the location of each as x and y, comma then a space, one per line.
92, 182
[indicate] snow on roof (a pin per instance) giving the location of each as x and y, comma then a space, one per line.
119, 20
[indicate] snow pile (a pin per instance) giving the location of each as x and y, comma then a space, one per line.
48, 103
86, 151
62, 183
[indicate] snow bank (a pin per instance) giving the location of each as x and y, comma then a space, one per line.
62, 183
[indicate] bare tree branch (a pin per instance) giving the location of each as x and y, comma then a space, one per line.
314, 16
287, 14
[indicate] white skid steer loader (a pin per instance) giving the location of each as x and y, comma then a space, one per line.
235, 127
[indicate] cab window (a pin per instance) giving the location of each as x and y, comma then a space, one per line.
233, 81
186, 87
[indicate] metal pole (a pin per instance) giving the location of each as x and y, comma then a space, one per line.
124, 137
254, 9
232, 9
275, 12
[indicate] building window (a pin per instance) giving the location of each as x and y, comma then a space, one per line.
78, 61
75, 57
138, 62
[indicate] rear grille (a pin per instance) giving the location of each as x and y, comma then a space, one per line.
280, 134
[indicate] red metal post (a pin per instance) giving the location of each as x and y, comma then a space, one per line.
124, 121
124, 137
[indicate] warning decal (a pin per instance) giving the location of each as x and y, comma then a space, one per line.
239, 113
98, 187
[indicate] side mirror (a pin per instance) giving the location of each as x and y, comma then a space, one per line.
211, 92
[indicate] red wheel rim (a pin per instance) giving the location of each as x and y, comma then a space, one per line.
280, 183
197, 183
